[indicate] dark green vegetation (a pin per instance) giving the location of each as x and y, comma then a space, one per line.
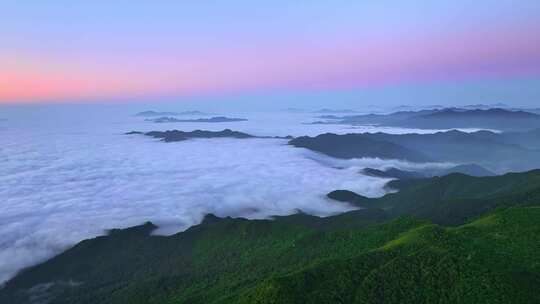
391, 252
357, 146
392, 173
498, 152
470, 169
452, 199
496, 118
176, 135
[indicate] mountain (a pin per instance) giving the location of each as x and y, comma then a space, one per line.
392, 173
496, 152
425, 264
534, 110
448, 118
212, 119
468, 169
455, 198
163, 119
529, 139
488, 255
395, 118
480, 106
479, 113
176, 135
487, 149
410, 108
349, 197
354, 146
496, 118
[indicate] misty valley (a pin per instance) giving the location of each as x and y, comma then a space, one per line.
343, 212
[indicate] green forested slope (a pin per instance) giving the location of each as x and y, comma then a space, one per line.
375, 255
491, 260
452, 199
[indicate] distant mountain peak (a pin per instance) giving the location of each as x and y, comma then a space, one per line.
487, 113
177, 135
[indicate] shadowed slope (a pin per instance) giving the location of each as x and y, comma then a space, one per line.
354, 146
498, 152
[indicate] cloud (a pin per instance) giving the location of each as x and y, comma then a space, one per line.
67, 191
68, 177
377, 163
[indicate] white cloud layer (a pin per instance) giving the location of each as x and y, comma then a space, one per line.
66, 177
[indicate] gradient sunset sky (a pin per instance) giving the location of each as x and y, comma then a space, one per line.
90, 50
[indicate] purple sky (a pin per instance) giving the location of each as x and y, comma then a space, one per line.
92, 50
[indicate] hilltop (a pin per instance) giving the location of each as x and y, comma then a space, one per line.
355, 146
176, 135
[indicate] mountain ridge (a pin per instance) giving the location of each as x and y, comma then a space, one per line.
357, 257
446, 118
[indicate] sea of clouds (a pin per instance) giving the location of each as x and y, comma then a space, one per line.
67, 175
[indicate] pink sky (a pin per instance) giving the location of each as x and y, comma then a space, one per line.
491, 52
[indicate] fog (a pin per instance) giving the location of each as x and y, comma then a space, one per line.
69, 173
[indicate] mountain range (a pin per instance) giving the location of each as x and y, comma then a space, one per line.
451, 239
357, 146
468, 169
499, 152
176, 135
447, 118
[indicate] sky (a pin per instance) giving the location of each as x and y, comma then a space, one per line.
368, 51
